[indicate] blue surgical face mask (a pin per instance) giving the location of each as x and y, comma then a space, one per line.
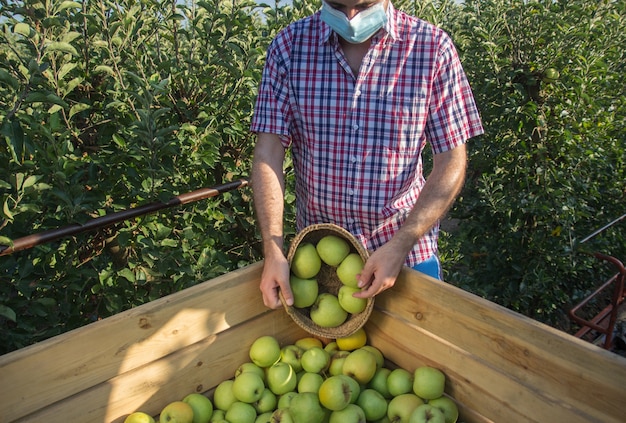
358, 29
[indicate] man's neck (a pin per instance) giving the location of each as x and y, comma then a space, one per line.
354, 53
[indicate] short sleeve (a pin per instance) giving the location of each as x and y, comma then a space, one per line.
272, 108
453, 114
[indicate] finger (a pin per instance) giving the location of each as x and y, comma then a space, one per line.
285, 291
365, 278
365, 293
368, 291
272, 302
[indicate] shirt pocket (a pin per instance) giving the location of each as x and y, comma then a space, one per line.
405, 122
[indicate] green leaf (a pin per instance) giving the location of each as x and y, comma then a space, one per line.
14, 135
47, 301
65, 69
117, 139
30, 181
71, 85
168, 242
8, 313
104, 69
127, 274
78, 107
69, 5
8, 79
58, 46
36, 97
19, 180
6, 211
70, 36
100, 44
22, 29
54, 108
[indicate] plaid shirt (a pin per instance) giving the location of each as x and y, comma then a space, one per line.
356, 141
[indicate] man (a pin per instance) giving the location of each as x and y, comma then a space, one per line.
356, 90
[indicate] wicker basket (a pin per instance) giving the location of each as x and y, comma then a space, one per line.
328, 282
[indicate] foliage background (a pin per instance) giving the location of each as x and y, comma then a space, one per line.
111, 104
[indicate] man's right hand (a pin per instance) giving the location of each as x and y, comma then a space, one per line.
275, 279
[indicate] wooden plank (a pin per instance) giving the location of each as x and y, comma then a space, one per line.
195, 368
501, 365
42, 374
585, 376
488, 391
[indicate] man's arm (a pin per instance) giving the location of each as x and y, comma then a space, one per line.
441, 189
268, 187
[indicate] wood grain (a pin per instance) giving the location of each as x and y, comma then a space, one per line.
500, 365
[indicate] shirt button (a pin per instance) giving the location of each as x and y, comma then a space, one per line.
353, 159
355, 127
350, 191
357, 93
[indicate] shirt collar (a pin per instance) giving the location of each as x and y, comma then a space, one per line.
390, 27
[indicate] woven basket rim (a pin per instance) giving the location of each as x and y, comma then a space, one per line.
354, 322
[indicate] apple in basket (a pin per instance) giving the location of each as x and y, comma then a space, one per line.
327, 312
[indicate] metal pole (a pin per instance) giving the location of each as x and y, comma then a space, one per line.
603, 228
110, 219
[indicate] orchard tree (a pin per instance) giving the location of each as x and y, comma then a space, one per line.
551, 167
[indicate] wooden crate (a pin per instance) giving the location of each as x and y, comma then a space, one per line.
501, 366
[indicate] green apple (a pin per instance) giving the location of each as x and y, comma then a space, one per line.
401, 407
308, 342
304, 291
347, 270
285, 399
292, 355
310, 382
282, 415
176, 412
139, 417
306, 408
336, 362
348, 302
380, 358
336, 393
331, 347
399, 381
240, 412
315, 360
447, 406
265, 351
266, 403
332, 249
219, 416
373, 404
223, 395
550, 75
264, 417
428, 382
379, 382
281, 378
248, 387
360, 365
306, 263
201, 405
250, 367
327, 312
351, 414
355, 388
427, 413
